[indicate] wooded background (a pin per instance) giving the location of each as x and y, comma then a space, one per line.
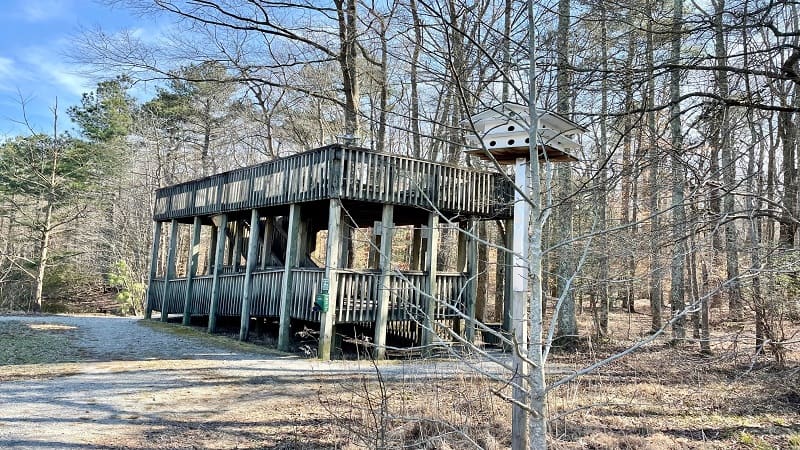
686, 191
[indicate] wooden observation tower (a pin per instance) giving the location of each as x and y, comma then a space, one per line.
244, 244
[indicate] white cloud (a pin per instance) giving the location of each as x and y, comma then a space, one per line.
6, 68
49, 68
42, 10
9, 74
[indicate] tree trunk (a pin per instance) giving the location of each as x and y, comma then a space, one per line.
348, 52
563, 216
41, 260
628, 205
416, 138
656, 295
677, 287
602, 197
728, 167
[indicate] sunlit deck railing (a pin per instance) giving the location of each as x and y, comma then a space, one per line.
339, 172
356, 299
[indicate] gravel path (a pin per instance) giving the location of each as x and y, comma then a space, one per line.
138, 386
136, 381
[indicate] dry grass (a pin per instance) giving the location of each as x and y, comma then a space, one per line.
662, 396
668, 396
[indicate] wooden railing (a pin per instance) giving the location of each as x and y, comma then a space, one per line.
356, 300
201, 294
266, 300
339, 172
155, 290
385, 178
305, 285
358, 293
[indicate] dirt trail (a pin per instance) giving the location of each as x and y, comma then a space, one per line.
142, 388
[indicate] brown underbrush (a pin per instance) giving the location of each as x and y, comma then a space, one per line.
664, 395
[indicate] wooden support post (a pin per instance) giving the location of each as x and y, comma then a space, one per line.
508, 285
284, 327
416, 249
387, 230
194, 257
148, 310
266, 249
375, 247
333, 255
222, 231
482, 270
346, 243
170, 272
236, 262
461, 252
212, 250
303, 241
230, 237
472, 279
431, 261
252, 259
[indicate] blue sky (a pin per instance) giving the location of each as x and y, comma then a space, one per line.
34, 38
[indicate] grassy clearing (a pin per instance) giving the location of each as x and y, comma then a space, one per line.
216, 340
22, 343
36, 351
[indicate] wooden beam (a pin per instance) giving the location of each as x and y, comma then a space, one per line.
252, 259
194, 257
222, 229
170, 272
345, 253
230, 237
375, 247
508, 286
212, 250
387, 230
266, 249
461, 252
284, 327
431, 261
148, 311
238, 231
332, 257
482, 271
472, 279
416, 249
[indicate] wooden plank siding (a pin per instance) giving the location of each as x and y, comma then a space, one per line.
356, 302
357, 174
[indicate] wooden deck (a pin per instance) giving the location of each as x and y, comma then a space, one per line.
356, 298
342, 172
